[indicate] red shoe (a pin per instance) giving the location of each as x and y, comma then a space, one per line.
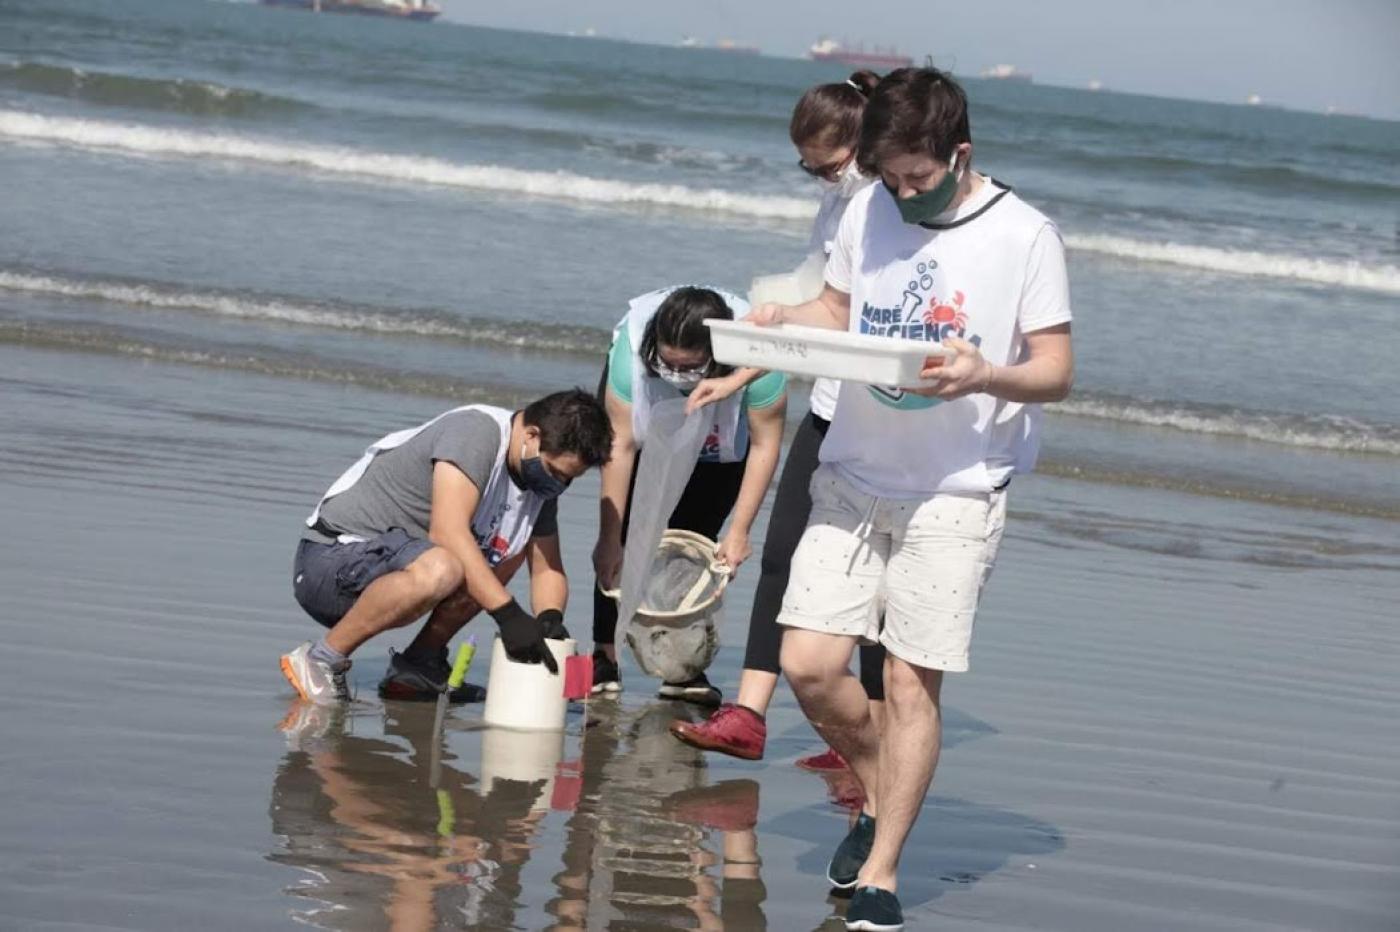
729, 806
827, 761
733, 729
844, 790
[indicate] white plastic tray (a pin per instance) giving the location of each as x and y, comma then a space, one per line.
835, 354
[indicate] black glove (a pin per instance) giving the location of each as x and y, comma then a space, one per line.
552, 623
522, 636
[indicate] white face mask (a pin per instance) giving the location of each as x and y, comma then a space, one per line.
847, 183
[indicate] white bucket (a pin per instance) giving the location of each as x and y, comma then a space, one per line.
527, 696
522, 756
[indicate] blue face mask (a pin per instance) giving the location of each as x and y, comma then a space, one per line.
534, 478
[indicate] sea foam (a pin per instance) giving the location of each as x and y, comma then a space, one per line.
380, 166
1382, 278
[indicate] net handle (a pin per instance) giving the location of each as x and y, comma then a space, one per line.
699, 542
693, 595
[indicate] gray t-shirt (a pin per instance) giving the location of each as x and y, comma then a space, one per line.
397, 488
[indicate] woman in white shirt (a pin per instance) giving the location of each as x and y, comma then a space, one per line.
824, 129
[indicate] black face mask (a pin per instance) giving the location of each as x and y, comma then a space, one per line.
536, 479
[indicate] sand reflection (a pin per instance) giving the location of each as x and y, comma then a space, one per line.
640, 839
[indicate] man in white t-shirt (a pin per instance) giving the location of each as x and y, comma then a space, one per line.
910, 498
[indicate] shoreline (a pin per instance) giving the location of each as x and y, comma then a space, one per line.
1128, 738
1216, 477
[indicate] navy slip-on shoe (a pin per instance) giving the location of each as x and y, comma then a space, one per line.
874, 910
850, 855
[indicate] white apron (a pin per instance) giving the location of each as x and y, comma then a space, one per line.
728, 438
505, 516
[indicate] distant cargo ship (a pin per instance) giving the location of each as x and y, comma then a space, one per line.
729, 45
1007, 73
723, 45
399, 9
876, 59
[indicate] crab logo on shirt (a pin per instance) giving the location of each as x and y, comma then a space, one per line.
939, 315
921, 315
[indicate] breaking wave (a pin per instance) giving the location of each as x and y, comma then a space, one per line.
1318, 432
139, 140
180, 95
545, 336
1382, 278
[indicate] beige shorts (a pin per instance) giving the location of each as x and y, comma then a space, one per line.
919, 563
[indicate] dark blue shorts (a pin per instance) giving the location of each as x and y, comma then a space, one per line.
327, 579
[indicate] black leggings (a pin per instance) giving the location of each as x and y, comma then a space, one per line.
787, 521
708, 498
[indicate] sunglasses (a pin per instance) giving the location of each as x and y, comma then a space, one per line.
829, 172
702, 370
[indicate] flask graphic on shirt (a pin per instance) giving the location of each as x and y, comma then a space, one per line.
913, 301
914, 293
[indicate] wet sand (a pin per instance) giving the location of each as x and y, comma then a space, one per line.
1182, 712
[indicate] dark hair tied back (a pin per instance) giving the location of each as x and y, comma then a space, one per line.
829, 115
680, 322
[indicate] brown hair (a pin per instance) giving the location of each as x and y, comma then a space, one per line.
913, 111
828, 115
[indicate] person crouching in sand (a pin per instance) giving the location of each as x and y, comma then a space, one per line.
436, 520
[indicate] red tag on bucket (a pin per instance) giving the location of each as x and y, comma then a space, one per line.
578, 676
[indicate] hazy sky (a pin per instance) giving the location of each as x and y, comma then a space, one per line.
1310, 54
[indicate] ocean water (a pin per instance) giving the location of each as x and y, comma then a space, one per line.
451, 209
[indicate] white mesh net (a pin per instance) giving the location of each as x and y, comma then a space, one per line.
673, 446
673, 634
682, 579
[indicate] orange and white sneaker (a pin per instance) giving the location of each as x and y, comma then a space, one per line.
312, 728
314, 680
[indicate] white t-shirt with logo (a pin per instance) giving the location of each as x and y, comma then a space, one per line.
991, 272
